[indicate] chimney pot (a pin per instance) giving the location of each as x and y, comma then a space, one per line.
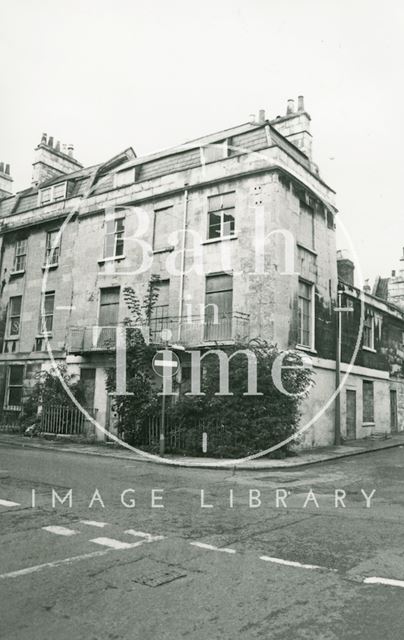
291, 107
1, 167
7, 170
57, 146
261, 116
300, 103
50, 141
393, 273
43, 139
70, 150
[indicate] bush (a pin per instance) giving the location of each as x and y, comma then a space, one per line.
238, 424
49, 389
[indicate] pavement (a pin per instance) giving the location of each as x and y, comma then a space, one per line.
108, 548
300, 458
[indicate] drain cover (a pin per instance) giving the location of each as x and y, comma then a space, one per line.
153, 574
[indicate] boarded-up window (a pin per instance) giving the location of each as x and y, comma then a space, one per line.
164, 224
368, 402
109, 307
306, 226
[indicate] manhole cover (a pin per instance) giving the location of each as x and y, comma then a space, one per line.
154, 574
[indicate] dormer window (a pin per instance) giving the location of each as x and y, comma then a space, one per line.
52, 194
214, 151
122, 178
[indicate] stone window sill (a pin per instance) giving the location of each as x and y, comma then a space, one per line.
20, 272
163, 249
371, 349
50, 267
222, 239
112, 259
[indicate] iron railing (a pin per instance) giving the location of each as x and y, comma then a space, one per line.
189, 331
66, 420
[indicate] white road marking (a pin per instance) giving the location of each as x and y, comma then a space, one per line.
139, 534
291, 563
9, 503
52, 565
60, 531
94, 523
390, 582
118, 544
211, 547
84, 556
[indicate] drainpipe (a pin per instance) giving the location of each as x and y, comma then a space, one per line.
184, 231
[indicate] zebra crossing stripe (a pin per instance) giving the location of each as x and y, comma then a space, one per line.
60, 531
9, 503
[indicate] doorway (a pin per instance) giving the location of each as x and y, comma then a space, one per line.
350, 414
393, 411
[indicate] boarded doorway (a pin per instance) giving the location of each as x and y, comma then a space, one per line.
350, 414
393, 411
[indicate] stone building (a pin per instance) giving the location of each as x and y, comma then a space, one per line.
238, 225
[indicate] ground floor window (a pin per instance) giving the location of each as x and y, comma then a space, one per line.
368, 402
15, 378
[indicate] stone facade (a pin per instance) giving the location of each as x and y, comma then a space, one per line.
76, 238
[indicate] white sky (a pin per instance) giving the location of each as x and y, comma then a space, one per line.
150, 74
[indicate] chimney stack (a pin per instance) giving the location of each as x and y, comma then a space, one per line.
345, 268
291, 107
6, 181
50, 161
295, 126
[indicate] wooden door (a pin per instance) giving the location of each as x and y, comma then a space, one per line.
350, 414
393, 411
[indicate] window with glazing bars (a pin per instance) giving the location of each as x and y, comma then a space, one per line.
14, 316
369, 332
46, 312
52, 252
114, 237
20, 255
306, 314
14, 390
159, 318
221, 215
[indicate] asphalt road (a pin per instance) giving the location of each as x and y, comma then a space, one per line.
178, 570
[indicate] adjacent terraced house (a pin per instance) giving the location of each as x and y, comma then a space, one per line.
240, 229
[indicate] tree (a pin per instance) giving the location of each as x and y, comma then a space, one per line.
133, 410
